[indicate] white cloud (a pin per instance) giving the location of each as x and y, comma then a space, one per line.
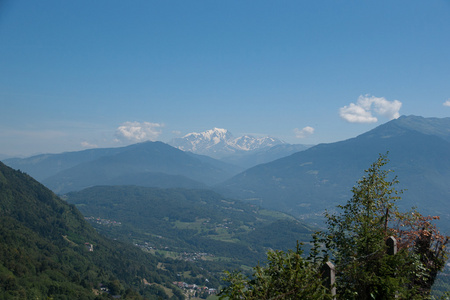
447, 103
138, 131
366, 106
302, 133
356, 114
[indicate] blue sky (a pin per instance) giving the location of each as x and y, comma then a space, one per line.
105, 73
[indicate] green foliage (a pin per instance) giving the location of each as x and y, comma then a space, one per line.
356, 241
287, 275
420, 235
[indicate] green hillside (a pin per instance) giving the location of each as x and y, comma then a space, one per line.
180, 222
45, 252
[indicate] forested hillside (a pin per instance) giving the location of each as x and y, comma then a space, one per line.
48, 250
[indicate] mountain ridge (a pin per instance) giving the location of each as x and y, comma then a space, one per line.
322, 176
139, 159
149, 163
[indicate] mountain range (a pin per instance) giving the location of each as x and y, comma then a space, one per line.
153, 164
148, 164
321, 177
219, 143
303, 183
244, 151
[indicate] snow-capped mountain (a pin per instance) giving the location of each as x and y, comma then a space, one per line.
249, 143
220, 142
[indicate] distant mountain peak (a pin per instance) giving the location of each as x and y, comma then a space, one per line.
209, 133
218, 142
214, 135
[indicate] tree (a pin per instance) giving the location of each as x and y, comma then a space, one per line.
420, 235
287, 275
356, 241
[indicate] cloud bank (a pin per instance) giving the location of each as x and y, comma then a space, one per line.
138, 131
447, 103
365, 108
304, 132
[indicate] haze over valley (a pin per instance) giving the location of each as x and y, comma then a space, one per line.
147, 147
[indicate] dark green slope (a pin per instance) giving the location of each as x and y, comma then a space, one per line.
180, 220
43, 252
321, 177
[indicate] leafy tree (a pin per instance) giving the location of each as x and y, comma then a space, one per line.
356, 241
287, 275
356, 236
420, 235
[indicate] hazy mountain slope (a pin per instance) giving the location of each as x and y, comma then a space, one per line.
45, 165
155, 179
228, 167
43, 252
137, 170
5, 156
191, 221
322, 176
146, 159
252, 158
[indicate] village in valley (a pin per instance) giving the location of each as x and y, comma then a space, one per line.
104, 222
193, 290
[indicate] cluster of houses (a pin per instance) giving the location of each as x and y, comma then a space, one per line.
192, 257
194, 290
186, 256
145, 246
104, 222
